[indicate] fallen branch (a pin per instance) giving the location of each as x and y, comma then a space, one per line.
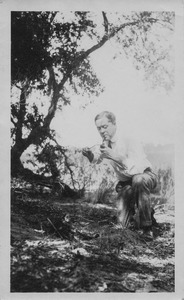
54, 228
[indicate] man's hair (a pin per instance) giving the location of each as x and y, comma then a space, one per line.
109, 115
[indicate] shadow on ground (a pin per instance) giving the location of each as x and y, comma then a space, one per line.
78, 247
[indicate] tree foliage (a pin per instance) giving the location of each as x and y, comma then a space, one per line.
149, 45
51, 55
30, 43
40, 43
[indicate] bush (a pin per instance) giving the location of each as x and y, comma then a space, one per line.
105, 193
164, 193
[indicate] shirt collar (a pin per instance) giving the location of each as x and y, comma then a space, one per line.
114, 138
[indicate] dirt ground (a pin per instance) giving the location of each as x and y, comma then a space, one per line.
73, 246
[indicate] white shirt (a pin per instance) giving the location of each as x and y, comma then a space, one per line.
133, 159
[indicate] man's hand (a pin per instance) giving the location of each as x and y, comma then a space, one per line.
106, 151
88, 153
110, 154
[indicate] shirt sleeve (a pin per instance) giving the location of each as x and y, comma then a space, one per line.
136, 160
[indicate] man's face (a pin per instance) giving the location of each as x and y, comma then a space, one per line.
106, 128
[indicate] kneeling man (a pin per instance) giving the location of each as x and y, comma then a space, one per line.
133, 170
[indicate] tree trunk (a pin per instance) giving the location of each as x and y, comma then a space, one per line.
16, 165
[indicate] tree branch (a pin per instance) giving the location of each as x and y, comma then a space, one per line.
66, 162
18, 87
107, 36
53, 16
14, 123
117, 29
81, 57
55, 97
22, 112
106, 23
77, 62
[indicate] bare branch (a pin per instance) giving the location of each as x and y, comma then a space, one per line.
117, 29
66, 162
12, 132
54, 228
14, 123
107, 37
18, 87
22, 112
55, 97
53, 16
168, 23
106, 23
113, 32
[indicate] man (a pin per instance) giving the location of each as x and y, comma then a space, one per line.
133, 170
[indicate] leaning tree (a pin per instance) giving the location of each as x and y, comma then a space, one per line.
50, 54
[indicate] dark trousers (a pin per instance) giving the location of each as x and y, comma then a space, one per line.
134, 198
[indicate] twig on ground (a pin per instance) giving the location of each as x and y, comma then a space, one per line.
54, 227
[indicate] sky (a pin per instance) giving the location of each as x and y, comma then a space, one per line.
142, 113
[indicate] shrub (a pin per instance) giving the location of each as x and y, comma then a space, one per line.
105, 192
164, 194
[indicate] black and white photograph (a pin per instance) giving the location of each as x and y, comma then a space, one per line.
95, 115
